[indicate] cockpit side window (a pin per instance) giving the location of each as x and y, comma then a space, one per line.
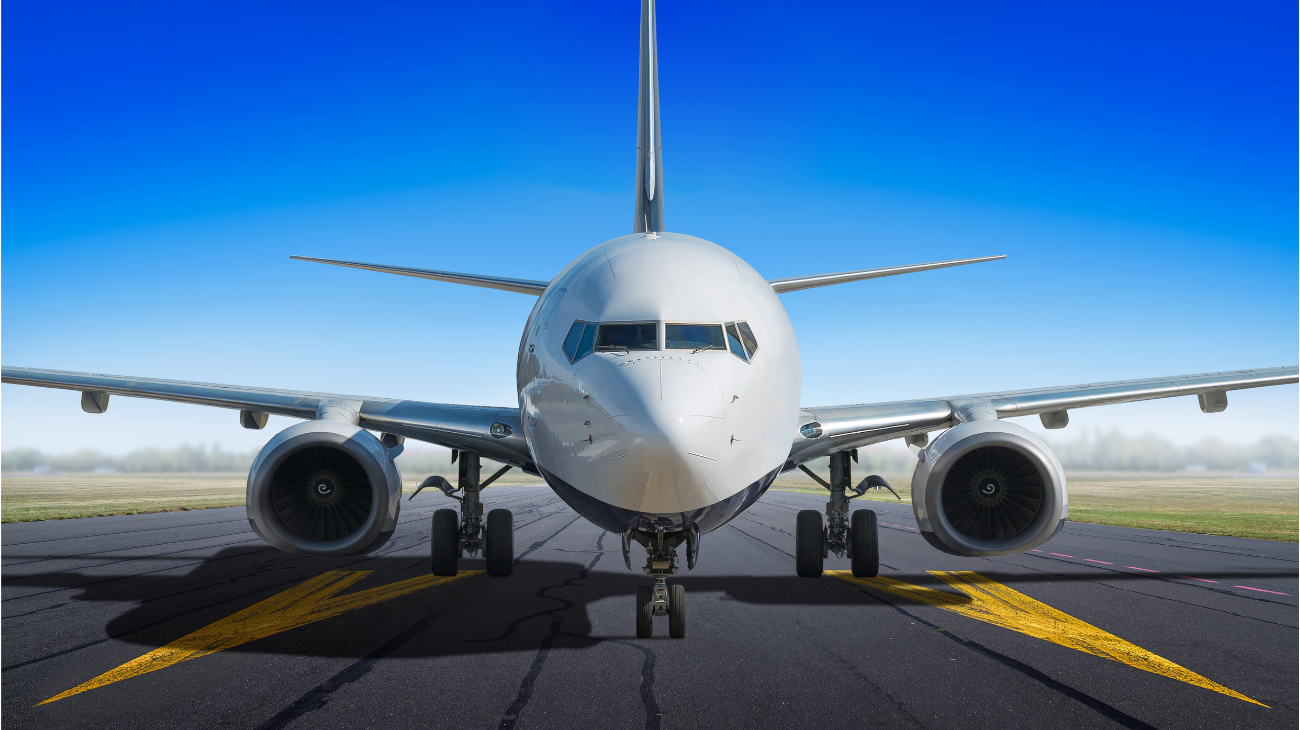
628, 337
694, 337
733, 342
577, 344
747, 337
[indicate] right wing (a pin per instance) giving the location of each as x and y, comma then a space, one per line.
795, 283
827, 430
468, 428
520, 286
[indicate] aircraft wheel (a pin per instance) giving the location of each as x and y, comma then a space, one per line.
677, 611
645, 612
499, 543
808, 543
444, 542
865, 543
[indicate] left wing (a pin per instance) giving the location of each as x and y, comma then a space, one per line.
520, 286
824, 431
494, 433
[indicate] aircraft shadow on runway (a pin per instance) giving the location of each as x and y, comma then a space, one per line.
472, 615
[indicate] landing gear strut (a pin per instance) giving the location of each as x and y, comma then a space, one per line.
855, 535
662, 599
452, 537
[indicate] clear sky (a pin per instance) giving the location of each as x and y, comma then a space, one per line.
1136, 162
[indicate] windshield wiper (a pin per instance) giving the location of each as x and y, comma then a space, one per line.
706, 347
612, 348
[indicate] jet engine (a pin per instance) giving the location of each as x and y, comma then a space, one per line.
988, 488
324, 488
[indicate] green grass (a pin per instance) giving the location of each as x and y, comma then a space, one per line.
58, 497
26, 498
1261, 508
1264, 509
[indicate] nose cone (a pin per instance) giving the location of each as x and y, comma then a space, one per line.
659, 452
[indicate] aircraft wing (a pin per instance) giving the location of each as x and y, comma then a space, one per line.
468, 428
826, 430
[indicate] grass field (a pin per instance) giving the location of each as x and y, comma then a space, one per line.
1256, 507
54, 497
1261, 508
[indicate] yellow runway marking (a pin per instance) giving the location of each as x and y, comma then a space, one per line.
994, 603
309, 602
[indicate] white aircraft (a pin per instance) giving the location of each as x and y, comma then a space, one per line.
658, 380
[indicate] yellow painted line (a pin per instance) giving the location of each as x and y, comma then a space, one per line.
993, 603
308, 602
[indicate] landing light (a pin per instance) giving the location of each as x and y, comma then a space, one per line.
500, 430
810, 430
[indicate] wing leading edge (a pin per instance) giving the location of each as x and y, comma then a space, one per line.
827, 430
469, 428
795, 283
520, 286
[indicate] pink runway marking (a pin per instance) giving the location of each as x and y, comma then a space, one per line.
1103, 562
1038, 551
1261, 590
1203, 580
1144, 570
1059, 555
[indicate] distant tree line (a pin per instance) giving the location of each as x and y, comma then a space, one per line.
180, 459
1113, 451
1103, 451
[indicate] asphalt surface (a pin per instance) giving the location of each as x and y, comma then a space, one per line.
554, 645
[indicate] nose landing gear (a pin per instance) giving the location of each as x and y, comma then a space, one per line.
661, 599
451, 538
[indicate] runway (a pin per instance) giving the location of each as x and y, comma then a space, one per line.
186, 619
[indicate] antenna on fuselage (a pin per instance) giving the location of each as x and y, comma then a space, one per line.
649, 215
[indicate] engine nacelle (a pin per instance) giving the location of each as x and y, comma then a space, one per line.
324, 488
988, 488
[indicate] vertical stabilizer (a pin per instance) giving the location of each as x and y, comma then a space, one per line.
649, 146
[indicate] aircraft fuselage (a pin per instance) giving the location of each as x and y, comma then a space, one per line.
659, 383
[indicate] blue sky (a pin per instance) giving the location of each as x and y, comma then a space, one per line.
162, 161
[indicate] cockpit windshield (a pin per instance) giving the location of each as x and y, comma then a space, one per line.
584, 338
628, 337
694, 337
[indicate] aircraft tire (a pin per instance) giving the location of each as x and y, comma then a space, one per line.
645, 612
444, 542
864, 539
677, 611
499, 543
809, 550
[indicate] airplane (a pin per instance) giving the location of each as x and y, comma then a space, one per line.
658, 382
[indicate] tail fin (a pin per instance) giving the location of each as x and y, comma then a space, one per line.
649, 145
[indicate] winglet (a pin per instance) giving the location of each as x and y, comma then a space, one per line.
649, 209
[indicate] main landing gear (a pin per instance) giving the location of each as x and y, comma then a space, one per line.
661, 599
452, 537
856, 535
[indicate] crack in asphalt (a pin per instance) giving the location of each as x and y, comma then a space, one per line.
759, 539
653, 715
319, 696
47, 608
